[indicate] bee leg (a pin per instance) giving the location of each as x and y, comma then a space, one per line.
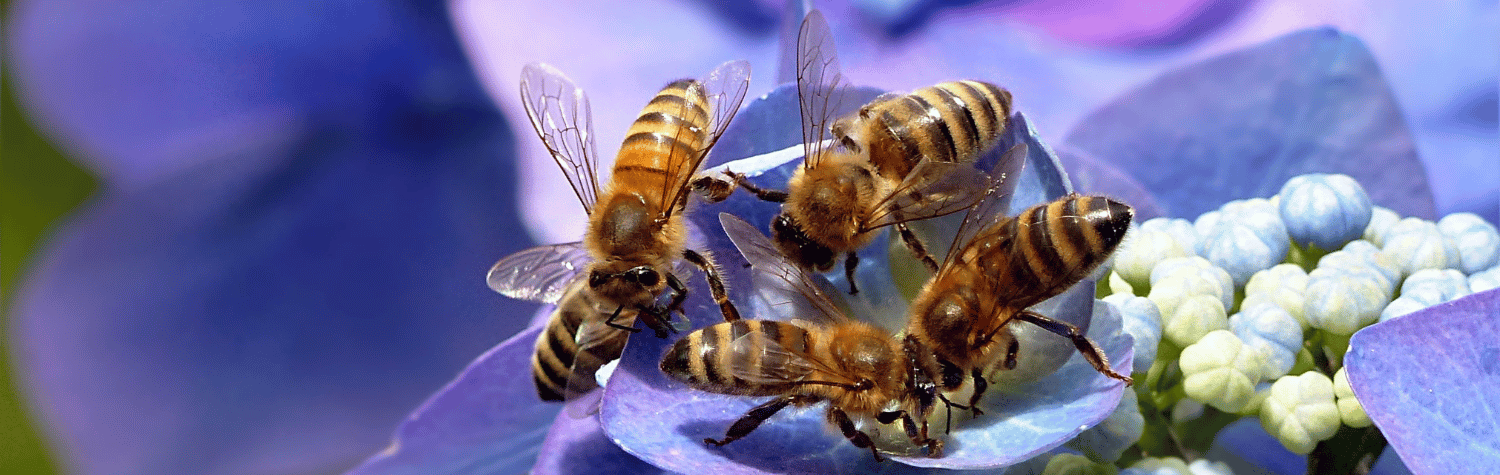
751, 420
1085, 346
715, 283
851, 260
679, 294
916, 432
980, 386
855, 436
611, 321
917, 248
713, 190
773, 196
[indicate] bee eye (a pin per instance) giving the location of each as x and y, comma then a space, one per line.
597, 278
645, 276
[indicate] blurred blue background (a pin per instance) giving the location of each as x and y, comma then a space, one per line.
248, 237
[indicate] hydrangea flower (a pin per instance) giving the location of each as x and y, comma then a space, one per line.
1477, 240
1340, 302
1220, 370
1350, 410
1324, 210
1271, 331
1381, 220
1143, 323
1418, 244
1243, 237
1284, 285
1136, 257
1301, 411
149, 127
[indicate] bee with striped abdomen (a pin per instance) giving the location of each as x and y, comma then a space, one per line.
1000, 266
635, 231
861, 371
900, 158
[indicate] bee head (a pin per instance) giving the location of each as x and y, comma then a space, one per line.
793, 242
626, 284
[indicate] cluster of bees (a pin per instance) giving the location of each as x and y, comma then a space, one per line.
898, 159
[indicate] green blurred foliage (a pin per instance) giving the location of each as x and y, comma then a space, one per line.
38, 187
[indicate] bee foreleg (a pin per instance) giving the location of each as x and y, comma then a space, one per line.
980, 386
679, 294
855, 436
611, 321
751, 420
774, 196
1085, 346
917, 248
715, 283
851, 261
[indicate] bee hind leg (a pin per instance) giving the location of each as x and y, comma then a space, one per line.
1090, 352
715, 283
774, 196
611, 321
751, 420
914, 244
855, 436
851, 261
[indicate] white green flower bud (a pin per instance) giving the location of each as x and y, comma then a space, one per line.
1138, 254
1417, 244
1183, 267
1071, 464
1206, 467
1366, 257
1142, 321
1284, 285
1478, 241
1301, 411
1158, 466
1221, 371
1190, 318
1271, 331
1485, 280
1381, 220
1181, 230
1350, 410
1107, 441
1341, 301
1325, 210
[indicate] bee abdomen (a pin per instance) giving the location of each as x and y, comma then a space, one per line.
949, 122
672, 127
552, 362
716, 357
1064, 240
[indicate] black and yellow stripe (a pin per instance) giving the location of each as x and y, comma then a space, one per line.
950, 122
1057, 244
705, 359
671, 128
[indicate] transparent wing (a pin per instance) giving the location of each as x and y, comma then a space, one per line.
932, 189
560, 114
991, 207
789, 281
539, 274
598, 344
820, 87
760, 359
724, 87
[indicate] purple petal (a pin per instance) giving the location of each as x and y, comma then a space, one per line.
269, 299
579, 445
1241, 124
1095, 177
487, 420
1439, 421
1124, 23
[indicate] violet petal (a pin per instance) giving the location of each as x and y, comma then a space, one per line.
1439, 421
1241, 124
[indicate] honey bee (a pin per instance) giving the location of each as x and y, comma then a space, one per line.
860, 370
635, 232
996, 270
900, 158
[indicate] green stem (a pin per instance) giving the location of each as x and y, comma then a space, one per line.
1350, 452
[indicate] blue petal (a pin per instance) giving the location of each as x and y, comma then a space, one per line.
275, 298
580, 446
488, 420
1241, 124
1439, 421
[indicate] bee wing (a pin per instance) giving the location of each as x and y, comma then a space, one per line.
539, 274
820, 88
759, 359
992, 206
932, 189
725, 88
598, 344
790, 280
560, 114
